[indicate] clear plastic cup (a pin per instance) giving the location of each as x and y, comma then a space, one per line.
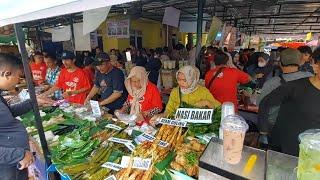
227, 109
309, 155
234, 130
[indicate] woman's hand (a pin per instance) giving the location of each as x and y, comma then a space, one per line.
204, 103
154, 120
67, 94
140, 119
46, 102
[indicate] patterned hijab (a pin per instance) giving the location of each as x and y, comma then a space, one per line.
192, 75
140, 73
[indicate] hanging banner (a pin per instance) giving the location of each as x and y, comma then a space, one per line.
118, 28
82, 42
62, 33
94, 39
309, 36
232, 39
215, 26
171, 16
93, 18
225, 35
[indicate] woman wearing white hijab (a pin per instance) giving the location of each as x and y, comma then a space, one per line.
144, 98
188, 92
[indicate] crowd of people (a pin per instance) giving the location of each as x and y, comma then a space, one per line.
282, 77
288, 80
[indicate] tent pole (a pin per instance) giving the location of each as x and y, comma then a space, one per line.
201, 4
38, 37
22, 48
72, 35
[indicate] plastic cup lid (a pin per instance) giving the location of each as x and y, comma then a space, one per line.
234, 123
310, 137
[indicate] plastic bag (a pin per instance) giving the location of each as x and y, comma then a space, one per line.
126, 118
37, 170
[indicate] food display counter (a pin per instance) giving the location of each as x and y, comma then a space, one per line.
213, 166
281, 166
255, 164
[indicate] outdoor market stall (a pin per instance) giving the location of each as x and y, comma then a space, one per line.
81, 142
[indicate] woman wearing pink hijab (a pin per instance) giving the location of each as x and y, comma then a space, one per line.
144, 98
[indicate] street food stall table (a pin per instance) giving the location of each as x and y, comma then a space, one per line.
213, 166
255, 164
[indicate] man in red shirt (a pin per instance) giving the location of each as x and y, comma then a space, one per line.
72, 80
209, 58
89, 70
38, 69
222, 81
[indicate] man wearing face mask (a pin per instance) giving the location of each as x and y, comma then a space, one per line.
264, 70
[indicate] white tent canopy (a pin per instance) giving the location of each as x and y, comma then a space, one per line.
18, 11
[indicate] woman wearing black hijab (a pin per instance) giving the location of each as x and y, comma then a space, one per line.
264, 71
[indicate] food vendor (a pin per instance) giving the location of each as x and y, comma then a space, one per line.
53, 72
144, 98
72, 80
15, 155
299, 110
188, 93
38, 68
109, 81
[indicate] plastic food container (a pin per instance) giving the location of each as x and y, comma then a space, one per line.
234, 130
309, 155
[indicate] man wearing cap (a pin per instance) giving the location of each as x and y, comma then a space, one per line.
72, 80
299, 102
290, 61
109, 81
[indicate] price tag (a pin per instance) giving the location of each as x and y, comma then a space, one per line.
24, 95
173, 122
130, 146
111, 165
138, 163
148, 137
119, 140
112, 126
112, 177
95, 108
195, 115
163, 144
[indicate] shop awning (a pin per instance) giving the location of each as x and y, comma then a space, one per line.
7, 39
12, 12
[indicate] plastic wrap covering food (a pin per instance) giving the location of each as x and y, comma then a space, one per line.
309, 156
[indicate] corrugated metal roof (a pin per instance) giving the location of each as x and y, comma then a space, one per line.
250, 16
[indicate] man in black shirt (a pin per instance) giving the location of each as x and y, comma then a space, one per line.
299, 111
15, 155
